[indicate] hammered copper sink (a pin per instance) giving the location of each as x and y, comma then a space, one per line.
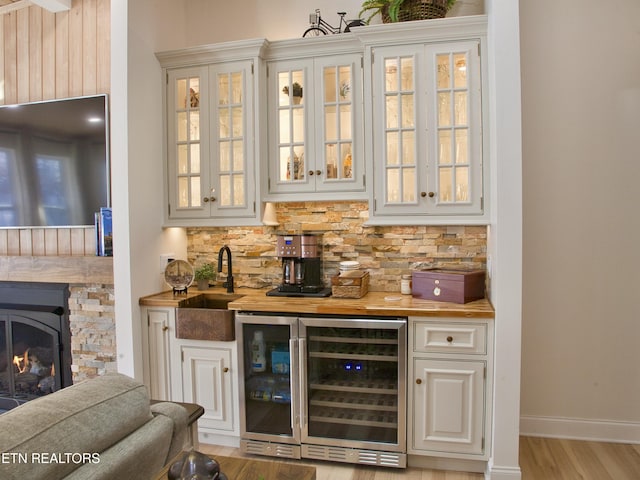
206, 317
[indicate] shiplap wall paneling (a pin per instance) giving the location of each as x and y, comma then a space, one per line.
59, 55
46, 56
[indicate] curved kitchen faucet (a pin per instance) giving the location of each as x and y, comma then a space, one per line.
229, 282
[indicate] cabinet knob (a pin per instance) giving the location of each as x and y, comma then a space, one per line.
449, 339
418, 381
318, 172
311, 172
209, 199
432, 194
225, 369
165, 328
423, 194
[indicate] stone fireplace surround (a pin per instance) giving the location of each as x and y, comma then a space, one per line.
91, 299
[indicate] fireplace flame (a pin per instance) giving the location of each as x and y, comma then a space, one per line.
22, 362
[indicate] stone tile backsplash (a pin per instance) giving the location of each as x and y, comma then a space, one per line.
386, 251
93, 330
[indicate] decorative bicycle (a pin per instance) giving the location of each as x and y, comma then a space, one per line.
321, 27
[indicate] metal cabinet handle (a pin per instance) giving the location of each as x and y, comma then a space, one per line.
165, 328
209, 199
225, 369
423, 194
418, 381
318, 172
449, 339
311, 173
432, 194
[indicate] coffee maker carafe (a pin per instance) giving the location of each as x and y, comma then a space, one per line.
301, 266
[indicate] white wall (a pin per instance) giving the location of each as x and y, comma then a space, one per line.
137, 176
212, 22
581, 120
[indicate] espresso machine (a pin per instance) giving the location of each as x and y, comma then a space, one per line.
301, 267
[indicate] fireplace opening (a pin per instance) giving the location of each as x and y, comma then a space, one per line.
35, 341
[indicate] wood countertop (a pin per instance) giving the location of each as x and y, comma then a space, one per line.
373, 303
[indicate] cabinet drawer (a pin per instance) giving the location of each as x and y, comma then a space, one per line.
435, 337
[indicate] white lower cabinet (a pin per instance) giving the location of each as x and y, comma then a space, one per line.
206, 380
192, 371
157, 359
449, 401
450, 361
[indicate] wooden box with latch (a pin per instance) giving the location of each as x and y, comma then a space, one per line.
456, 286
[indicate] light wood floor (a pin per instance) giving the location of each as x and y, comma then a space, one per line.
540, 459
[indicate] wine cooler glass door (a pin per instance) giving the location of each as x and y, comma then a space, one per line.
268, 391
354, 390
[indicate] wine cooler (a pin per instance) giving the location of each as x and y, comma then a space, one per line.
323, 387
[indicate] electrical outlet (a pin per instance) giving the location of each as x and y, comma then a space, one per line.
164, 259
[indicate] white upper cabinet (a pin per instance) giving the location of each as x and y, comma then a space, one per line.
388, 113
424, 109
315, 126
211, 137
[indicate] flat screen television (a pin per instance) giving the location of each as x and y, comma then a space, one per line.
54, 162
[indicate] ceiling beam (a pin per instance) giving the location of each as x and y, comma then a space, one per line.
53, 6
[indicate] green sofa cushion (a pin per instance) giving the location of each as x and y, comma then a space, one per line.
46, 436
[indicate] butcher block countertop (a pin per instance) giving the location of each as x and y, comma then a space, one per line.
373, 303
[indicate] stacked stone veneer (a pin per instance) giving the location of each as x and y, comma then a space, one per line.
93, 330
386, 251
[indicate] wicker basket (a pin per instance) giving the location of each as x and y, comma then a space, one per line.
354, 284
417, 10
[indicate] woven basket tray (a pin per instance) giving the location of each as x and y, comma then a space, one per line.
350, 285
418, 10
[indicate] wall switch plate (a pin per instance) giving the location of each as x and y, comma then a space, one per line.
164, 259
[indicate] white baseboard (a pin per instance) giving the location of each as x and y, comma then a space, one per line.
580, 429
496, 472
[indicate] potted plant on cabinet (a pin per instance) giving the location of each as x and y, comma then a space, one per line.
203, 274
406, 10
296, 91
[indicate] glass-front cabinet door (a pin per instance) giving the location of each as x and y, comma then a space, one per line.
427, 130
232, 157
454, 115
315, 112
210, 141
290, 85
187, 147
338, 123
